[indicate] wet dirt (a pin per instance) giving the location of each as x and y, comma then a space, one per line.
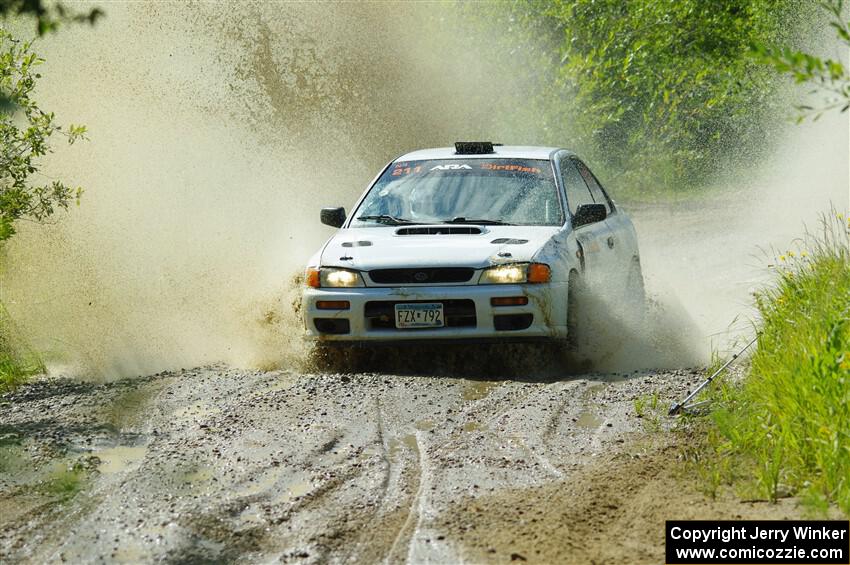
217, 463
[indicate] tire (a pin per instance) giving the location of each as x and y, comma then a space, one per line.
635, 289
574, 299
635, 296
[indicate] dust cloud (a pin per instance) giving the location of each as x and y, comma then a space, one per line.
217, 131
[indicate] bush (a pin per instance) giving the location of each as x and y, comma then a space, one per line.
25, 134
788, 424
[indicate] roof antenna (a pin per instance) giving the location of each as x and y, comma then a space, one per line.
474, 147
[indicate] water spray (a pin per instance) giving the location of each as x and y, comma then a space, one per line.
678, 407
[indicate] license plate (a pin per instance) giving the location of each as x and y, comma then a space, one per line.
428, 315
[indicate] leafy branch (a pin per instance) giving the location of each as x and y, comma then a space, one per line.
25, 132
829, 76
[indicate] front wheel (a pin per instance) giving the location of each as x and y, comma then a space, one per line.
337, 357
635, 295
575, 290
635, 289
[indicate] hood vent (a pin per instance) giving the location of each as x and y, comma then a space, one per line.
509, 241
439, 230
356, 243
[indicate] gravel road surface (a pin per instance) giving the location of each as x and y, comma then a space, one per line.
217, 463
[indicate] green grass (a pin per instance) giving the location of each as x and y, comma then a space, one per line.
787, 425
649, 409
16, 369
17, 362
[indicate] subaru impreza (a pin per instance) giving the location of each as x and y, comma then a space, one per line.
477, 242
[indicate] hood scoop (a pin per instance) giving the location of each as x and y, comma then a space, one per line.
509, 241
439, 230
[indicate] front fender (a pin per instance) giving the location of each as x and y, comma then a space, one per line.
562, 253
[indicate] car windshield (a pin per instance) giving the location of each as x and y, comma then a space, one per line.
472, 191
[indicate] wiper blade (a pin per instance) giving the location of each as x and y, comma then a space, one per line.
387, 219
462, 220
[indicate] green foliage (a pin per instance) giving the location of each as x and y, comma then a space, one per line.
664, 90
15, 371
17, 362
828, 75
25, 132
788, 424
48, 16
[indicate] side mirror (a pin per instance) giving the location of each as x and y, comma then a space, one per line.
333, 217
589, 214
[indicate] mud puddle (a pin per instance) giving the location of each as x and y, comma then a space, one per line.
588, 420
120, 459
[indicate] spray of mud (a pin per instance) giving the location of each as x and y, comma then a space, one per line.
709, 256
217, 131
705, 257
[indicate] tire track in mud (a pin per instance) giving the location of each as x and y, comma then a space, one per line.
412, 480
457, 434
578, 403
357, 552
491, 406
425, 543
413, 510
538, 449
323, 491
345, 533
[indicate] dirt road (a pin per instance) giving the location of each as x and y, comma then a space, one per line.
217, 463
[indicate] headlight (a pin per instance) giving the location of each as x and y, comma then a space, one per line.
333, 278
504, 274
516, 273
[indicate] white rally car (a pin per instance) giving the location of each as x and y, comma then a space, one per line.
476, 242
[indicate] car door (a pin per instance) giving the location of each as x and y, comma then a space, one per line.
594, 238
622, 241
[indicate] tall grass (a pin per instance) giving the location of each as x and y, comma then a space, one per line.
17, 362
788, 424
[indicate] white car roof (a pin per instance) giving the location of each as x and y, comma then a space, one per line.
499, 151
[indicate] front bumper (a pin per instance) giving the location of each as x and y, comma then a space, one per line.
468, 312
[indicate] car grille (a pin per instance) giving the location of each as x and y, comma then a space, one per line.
421, 276
380, 314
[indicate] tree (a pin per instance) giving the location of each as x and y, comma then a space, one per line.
663, 94
24, 141
25, 132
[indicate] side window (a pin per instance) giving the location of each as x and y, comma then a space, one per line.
595, 190
577, 191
